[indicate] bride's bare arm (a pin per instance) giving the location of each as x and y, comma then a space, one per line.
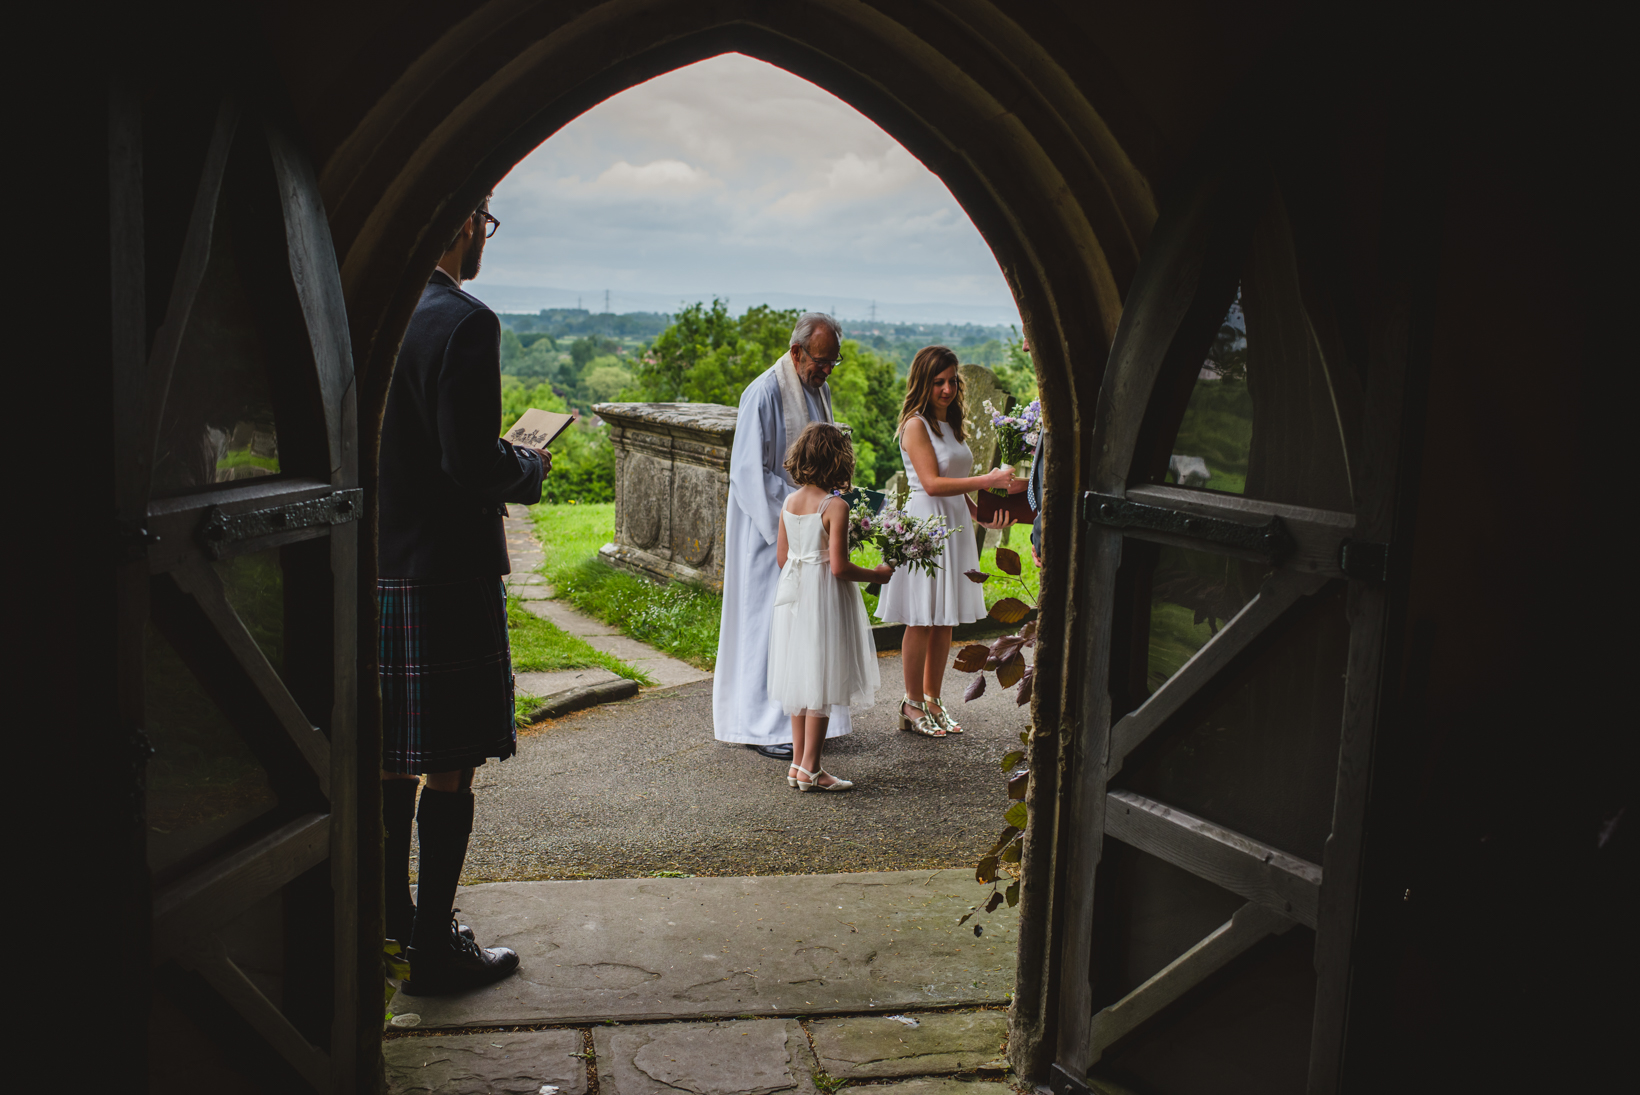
917, 444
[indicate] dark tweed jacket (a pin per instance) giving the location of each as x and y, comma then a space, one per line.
444, 472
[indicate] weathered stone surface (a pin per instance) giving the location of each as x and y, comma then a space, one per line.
941, 1087
754, 1057
671, 488
874, 1046
486, 1064
674, 948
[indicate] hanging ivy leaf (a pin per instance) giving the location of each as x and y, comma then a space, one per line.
1025, 685
1008, 561
1016, 815
986, 869
1009, 760
1028, 632
1018, 786
975, 689
1013, 895
971, 658
1002, 841
977, 576
996, 899
1012, 852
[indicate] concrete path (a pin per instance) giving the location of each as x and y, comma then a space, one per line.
675, 948
532, 589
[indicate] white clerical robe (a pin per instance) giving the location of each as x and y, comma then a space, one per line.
758, 486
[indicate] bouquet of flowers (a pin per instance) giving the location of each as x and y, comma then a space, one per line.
915, 542
863, 521
1017, 435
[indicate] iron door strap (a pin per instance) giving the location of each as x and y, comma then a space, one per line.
1269, 539
222, 530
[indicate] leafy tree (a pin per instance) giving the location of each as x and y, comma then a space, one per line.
604, 379
583, 459
709, 356
1016, 370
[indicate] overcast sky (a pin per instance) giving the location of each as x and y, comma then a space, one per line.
737, 178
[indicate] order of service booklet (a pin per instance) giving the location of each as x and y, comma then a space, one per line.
538, 429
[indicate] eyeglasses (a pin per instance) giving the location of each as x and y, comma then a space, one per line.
821, 362
491, 224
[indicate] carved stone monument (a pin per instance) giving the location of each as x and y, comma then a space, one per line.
671, 489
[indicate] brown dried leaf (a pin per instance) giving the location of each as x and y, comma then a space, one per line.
1026, 683
977, 576
1028, 632
986, 869
1009, 610
996, 899
1018, 785
1010, 671
971, 658
1005, 648
975, 689
1008, 561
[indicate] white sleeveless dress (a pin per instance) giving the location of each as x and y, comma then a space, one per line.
820, 648
946, 597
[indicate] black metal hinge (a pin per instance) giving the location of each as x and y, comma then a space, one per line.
1364, 560
221, 530
1270, 539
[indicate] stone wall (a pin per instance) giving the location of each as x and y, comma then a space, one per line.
671, 488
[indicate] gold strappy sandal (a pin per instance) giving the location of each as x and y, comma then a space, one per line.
942, 716
925, 724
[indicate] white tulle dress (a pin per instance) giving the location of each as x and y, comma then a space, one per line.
947, 597
820, 648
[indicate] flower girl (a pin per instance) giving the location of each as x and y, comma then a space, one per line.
820, 648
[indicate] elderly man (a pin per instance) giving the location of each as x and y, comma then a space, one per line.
774, 409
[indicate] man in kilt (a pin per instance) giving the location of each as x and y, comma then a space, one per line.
446, 671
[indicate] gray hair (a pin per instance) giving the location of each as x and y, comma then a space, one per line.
810, 322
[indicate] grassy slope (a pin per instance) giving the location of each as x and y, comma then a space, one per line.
681, 620
541, 646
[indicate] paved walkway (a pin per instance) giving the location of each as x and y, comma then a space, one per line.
532, 589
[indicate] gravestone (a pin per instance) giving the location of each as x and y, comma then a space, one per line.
671, 489
978, 385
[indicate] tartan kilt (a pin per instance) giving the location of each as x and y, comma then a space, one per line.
446, 674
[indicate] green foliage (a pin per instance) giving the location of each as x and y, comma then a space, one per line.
1016, 370
540, 646
709, 356
1218, 427
583, 459
578, 322
680, 619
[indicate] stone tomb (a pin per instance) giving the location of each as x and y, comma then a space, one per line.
671, 488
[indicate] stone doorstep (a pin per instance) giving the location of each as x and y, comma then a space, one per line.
877, 1046
486, 1064
749, 1057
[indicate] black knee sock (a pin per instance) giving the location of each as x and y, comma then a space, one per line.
443, 824
399, 819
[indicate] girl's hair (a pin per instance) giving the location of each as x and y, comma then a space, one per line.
821, 457
919, 389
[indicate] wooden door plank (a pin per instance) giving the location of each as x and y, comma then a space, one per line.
195, 257
204, 585
345, 775
1285, 883
318, 283
241, 993
1278, 594
1317, 533
1085, 807
219, 891
1251, 923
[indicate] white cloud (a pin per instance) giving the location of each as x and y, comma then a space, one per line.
735, 177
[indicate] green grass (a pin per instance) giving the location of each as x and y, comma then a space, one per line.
540, 646
1174, 639
680, 619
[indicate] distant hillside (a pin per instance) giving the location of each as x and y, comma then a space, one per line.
580, 323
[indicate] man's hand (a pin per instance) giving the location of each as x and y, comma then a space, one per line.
546, 459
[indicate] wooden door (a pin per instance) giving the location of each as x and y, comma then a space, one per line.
1238, 547
238, 502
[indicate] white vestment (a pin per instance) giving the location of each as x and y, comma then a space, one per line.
758, 485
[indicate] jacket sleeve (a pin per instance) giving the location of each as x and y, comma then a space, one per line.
469, 417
